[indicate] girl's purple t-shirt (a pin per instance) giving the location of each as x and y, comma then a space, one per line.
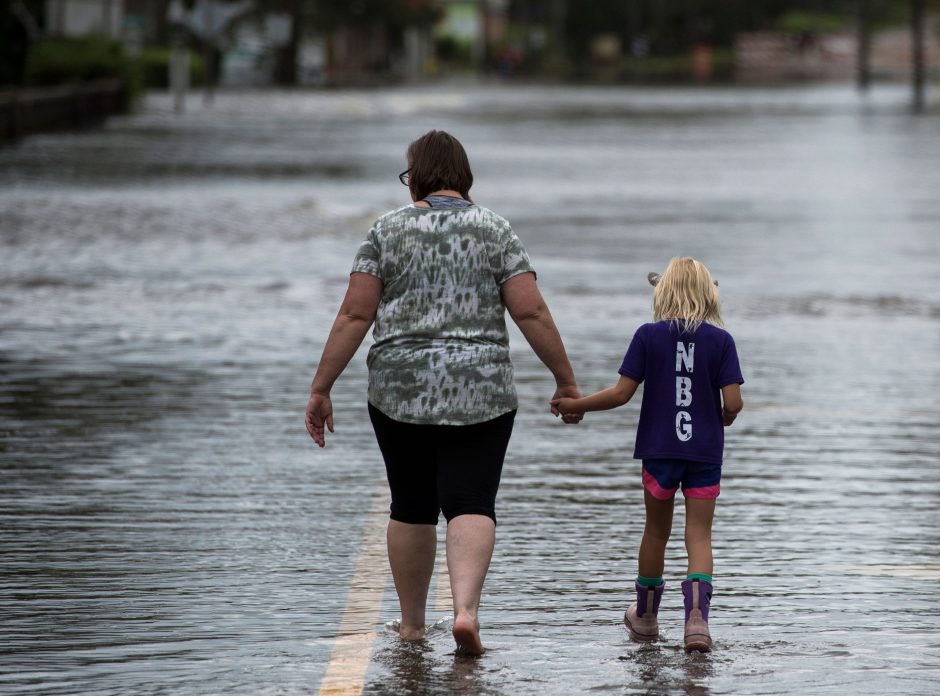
680, 417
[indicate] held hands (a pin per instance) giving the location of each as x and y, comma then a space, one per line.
564, 406
319, 413
561, 405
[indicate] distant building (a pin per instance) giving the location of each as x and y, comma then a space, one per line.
82, 17
769, 55
146, 20
781, 56
250, 52
891, 52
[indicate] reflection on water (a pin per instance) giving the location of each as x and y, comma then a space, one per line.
167, 284
660, 664
414, 668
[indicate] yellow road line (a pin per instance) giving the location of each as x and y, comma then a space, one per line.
352, 650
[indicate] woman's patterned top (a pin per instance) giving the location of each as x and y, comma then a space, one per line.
441, 352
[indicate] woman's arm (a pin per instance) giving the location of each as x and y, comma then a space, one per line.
355, 316
612, 397
528, 309
732, 403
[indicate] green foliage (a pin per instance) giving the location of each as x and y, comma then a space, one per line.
677, 68
62, 60
154, 66
668, 28
452, 53
812, 23
392, 13
70, 60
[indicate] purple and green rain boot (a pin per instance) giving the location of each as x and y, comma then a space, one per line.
640, 619
698, 595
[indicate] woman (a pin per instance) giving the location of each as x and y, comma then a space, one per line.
436, 277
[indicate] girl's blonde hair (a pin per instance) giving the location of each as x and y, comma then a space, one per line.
686, 294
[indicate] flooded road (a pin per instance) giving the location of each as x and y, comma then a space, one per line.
167, 526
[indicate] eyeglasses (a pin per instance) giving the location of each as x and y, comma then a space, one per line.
403, 177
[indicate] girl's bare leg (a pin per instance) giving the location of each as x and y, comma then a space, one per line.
470, 541
699, 514
655, 535
411, 551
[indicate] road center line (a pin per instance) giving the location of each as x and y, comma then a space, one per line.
352, 650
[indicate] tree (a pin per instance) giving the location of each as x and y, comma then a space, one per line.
19, 23
669, 27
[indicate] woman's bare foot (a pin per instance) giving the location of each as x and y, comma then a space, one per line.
411, 632
467, 634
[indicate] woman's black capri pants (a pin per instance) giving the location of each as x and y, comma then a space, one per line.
453, 469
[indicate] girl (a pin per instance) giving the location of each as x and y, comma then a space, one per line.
692, 390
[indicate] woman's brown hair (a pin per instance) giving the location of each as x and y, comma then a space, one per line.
437, 161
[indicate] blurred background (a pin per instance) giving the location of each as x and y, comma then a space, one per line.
341, 43
183, 187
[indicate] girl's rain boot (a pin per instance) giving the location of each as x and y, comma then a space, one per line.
698, 595
640, 618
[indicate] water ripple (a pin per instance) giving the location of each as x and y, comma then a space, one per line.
167, 526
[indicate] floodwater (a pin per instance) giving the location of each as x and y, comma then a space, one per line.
166, 287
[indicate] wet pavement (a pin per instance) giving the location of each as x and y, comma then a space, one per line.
167, 526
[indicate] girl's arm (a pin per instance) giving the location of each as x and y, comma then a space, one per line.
732, 403
612, 397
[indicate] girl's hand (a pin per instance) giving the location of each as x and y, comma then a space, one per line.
564, 406
560, 406
728, 417
567, 393
319, 413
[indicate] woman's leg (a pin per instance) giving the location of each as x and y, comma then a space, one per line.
412, 530
470, 541
469, 468
699, 513
655, 535
411, 551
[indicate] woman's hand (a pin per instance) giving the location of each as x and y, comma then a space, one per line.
319, 413
561, 405
353, 320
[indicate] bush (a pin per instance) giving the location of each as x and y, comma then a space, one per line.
155, 68
453, 53
812, 23
69, 60
677, 68
63, 61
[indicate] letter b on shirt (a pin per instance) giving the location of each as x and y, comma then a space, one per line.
683, 391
